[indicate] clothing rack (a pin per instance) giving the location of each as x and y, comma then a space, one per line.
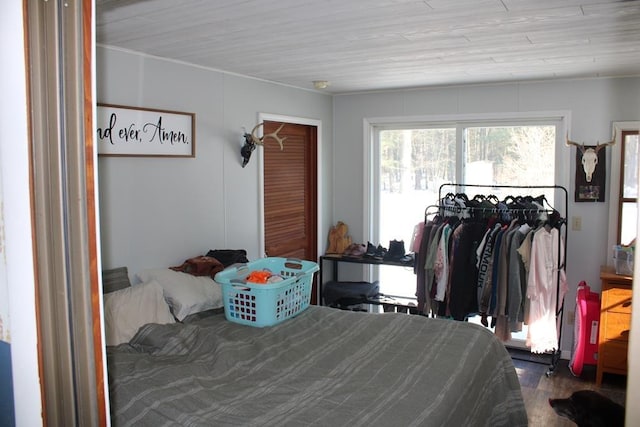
559, 220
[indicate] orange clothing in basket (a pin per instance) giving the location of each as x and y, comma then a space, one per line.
258, 276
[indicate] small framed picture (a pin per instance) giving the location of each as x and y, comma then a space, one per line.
590, 174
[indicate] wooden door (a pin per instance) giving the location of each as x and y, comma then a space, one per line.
290, 192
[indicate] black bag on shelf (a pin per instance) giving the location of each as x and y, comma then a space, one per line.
344, 294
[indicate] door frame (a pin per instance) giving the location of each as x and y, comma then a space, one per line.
60, 57
298, 121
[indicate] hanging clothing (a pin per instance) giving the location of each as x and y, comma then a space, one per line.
422, 294
485, 275
416, 237
487, 259
441, 266
502, 330
517, 280
546, 287
430, 261
463, 297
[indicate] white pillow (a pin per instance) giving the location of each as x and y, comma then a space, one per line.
185, 293
126, 310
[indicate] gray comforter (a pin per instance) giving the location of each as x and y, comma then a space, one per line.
325, 367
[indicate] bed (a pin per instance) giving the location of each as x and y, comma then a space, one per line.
324, 367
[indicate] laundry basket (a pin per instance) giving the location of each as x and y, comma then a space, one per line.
267, 304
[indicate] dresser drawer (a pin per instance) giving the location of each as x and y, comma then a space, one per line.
616, 326
614, 355
615, 321
617, 300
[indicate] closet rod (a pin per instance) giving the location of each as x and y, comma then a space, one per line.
496, 210
453, 184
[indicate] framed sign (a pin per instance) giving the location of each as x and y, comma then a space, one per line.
131, 131
590, 174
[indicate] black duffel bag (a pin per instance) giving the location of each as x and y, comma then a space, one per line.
344, 294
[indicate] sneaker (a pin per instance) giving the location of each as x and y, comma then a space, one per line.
355, 250
371, 250
380, 253
358, 250
408, 259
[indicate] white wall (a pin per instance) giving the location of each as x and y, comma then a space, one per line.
14, 166
593, 105
156, 212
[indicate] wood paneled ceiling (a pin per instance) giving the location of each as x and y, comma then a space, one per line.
365, 45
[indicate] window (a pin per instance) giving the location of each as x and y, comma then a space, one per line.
628, 195
623, 185
411, 162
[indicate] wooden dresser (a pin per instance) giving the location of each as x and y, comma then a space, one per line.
615, 322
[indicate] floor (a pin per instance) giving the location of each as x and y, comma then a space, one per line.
537, 387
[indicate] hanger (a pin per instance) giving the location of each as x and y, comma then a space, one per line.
462, 196
493, 199
508, 200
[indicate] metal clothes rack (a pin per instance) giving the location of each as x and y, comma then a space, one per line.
458, 187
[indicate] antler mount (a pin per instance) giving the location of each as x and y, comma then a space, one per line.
598, 146
251, 140
260, 140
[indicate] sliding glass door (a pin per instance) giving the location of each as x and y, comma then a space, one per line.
411, 162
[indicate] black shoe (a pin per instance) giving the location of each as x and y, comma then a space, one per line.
396, 250
380, 253
371, 250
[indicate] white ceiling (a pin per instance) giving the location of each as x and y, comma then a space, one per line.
363, 45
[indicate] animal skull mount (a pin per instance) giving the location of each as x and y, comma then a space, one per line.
251, 141
590, 155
